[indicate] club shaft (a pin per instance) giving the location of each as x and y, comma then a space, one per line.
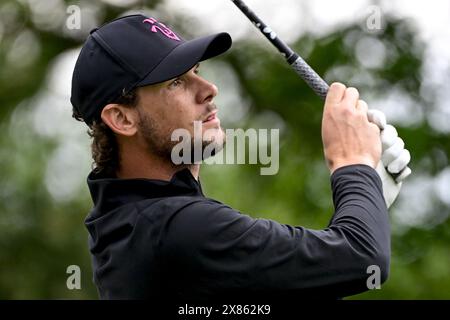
314, 81
285, 50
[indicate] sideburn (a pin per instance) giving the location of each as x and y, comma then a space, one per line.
157, 140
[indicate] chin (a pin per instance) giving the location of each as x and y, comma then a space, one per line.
213, 143
216, 136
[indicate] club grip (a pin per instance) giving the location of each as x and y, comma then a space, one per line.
319, 86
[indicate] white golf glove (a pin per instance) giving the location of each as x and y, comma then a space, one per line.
393, 167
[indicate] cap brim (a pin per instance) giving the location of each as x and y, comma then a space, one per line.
187, 55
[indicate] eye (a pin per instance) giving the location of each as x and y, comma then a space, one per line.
175, 83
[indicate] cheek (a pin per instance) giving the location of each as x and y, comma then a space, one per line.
180, 114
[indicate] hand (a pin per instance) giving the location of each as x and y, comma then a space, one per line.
348, 136
395, 158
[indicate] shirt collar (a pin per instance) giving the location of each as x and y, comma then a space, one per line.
108, 193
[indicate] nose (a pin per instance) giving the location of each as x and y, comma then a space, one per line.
206, 92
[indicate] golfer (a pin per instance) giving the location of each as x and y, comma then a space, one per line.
153, 233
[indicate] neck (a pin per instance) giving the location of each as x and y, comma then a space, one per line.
137, 164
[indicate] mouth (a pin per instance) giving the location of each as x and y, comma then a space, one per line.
211, 117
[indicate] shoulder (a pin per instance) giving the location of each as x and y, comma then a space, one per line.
176, 205
188, 214
184, 223
206, 220
209, 213
194, 207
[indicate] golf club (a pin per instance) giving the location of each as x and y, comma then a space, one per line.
317, 84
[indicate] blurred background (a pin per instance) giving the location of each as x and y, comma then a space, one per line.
396, 52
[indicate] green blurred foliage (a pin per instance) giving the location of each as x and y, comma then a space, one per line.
40, 237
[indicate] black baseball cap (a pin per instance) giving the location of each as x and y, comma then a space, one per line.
130, 52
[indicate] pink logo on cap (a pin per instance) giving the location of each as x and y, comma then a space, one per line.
162, 28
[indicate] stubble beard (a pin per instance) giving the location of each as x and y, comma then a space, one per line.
158, 141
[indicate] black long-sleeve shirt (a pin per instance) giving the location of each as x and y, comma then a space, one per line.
152, 238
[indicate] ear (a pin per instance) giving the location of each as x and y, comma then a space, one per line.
120, 119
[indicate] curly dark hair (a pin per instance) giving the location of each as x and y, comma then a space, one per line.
104, 147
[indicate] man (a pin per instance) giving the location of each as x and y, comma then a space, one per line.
153, 233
